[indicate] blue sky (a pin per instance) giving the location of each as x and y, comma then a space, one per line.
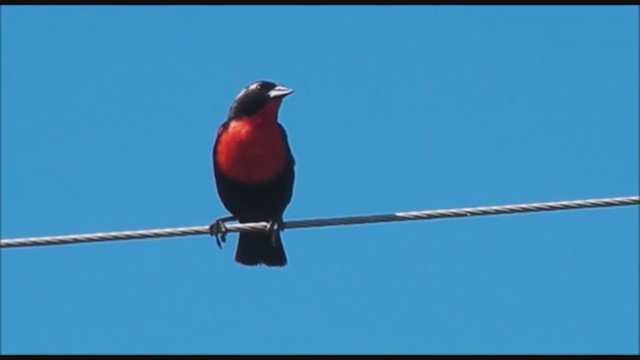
108, 118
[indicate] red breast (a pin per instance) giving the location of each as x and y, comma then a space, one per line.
251, 151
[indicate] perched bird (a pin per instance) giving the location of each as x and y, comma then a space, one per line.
254, 172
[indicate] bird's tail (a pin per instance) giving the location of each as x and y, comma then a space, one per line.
255, 248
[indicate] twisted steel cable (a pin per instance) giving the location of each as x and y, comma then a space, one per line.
323, 222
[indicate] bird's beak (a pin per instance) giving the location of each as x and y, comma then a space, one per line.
279, 92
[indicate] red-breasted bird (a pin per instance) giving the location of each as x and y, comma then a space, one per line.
254, 172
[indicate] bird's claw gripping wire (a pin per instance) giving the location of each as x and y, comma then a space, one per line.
218, 230
274, 229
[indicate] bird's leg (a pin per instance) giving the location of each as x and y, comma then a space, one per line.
274, 228
218, 230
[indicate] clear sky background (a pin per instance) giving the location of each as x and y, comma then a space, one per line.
108, 119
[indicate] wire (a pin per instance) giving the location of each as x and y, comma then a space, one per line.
337, 221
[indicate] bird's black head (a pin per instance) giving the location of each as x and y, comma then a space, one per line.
255, 97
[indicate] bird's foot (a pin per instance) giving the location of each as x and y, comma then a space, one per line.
218, 230
274, 229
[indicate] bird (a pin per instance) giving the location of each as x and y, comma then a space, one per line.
254, 173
